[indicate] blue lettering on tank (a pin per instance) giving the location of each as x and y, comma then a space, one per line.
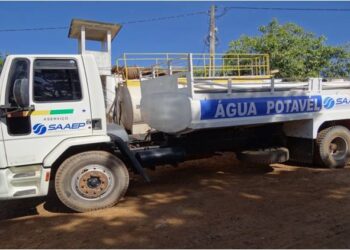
262, 106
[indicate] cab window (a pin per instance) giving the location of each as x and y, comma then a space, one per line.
56, 80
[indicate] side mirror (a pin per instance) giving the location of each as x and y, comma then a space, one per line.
21, 92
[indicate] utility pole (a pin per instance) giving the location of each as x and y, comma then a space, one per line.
212, 41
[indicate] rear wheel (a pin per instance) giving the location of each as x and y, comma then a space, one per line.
91, 180
333, 146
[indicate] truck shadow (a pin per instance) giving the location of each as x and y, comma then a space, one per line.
201, 204
19, 208
12, 209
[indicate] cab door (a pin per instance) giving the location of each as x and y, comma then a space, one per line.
58, 94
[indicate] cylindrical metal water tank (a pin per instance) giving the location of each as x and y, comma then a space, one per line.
130, 113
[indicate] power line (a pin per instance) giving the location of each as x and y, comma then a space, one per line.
288, 9
34, 29
165, 18
225, 9
122, 23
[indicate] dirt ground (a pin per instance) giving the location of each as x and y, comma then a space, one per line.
209, 203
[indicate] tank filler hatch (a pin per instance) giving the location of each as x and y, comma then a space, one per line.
85, 30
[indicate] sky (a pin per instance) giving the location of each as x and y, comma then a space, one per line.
185, 34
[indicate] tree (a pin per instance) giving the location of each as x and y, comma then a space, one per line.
339, 64
1, 62
296, 53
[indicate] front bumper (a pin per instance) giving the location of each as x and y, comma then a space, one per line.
24, 181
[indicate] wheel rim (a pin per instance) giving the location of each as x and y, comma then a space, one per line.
338, 148
92, 182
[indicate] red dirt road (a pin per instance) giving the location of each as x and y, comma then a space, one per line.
209, 203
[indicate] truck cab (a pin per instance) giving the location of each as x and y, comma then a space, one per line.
48, 103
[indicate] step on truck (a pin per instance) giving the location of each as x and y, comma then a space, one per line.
78, 122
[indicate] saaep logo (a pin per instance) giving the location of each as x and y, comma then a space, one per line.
75, 125
342, 101
39, 129
328, 103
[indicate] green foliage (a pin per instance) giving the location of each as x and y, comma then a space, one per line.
296, 53
339, 65
1, 62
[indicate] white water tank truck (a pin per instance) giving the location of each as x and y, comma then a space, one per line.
69, 119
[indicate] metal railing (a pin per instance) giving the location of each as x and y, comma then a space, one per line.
138, 65
272, 85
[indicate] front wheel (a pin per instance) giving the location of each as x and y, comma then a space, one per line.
91, 180
333, 146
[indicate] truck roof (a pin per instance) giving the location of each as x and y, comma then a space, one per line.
45, 55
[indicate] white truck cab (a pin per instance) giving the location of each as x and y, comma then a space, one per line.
48, 103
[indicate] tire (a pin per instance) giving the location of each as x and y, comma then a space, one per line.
264, 156
91, 180
333, 147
